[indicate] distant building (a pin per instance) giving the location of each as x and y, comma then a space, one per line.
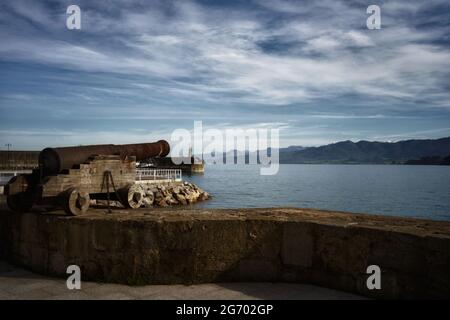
18, 160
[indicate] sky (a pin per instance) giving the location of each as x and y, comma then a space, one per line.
137, 70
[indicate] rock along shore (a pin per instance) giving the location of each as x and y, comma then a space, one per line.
167, 194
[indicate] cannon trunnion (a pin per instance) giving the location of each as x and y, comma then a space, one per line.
71, 177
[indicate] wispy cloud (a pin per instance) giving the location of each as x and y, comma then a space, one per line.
185, 57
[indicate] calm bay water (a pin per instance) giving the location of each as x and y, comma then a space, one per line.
410, 191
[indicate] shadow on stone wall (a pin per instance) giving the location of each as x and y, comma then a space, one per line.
332, 250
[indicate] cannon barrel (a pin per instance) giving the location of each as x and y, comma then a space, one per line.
54, 160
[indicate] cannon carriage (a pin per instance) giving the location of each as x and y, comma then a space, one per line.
70, 177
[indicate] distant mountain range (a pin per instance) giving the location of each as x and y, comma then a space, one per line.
430, 151
348, 152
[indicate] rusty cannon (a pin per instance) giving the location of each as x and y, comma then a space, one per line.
70, 177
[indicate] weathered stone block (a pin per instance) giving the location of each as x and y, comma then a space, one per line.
257, 270
57, 263
104, 235
297, 245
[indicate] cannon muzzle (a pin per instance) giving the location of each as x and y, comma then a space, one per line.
55, 160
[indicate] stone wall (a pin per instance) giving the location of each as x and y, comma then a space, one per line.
167, 246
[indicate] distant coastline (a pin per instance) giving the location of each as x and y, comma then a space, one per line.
417, 152
408, 152
434, 161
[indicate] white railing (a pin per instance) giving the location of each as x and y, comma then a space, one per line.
148, 174
5, 176
11, 173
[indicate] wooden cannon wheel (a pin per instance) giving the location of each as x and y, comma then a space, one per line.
22, 201
132, 196
75, 202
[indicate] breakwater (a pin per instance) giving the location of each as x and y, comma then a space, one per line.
173, 193
165, 194
167, 246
